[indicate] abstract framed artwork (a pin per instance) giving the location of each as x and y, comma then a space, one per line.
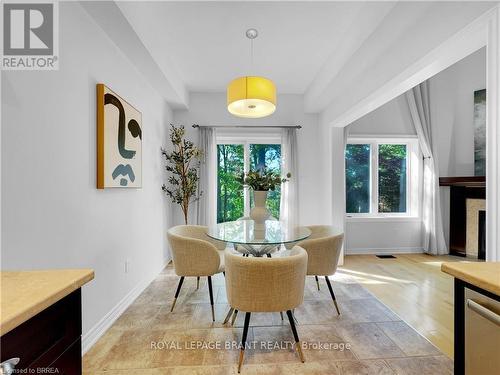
119, 141
480, 132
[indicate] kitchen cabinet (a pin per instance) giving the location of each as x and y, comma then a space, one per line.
42, 320
477, 317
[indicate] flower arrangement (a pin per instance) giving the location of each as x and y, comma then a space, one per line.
262, 180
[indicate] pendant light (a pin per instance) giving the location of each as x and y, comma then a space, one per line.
251, 96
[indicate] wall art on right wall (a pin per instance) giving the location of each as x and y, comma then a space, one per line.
480, 132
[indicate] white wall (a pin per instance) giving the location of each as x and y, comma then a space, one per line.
383, 236
452, 114
391, 119
52, 214
392, 235
331, 178
210, 109
451, 93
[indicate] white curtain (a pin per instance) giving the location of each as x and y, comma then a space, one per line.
207, 185
289, 204
433, 235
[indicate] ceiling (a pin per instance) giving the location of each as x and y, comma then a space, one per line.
206, 44
335, 53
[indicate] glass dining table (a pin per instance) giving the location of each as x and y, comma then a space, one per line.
251, 239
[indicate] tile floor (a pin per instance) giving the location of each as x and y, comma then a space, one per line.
150, 340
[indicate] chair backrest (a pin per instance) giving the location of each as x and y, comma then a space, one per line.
193, 252
266, 284
323, 249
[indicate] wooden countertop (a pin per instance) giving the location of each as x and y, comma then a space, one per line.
484, 275
26, 293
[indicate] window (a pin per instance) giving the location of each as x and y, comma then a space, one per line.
377, 177
357, 158
268, 157
392, 178
230, 204
235, 156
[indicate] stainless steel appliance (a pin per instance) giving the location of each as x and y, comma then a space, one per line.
482, 334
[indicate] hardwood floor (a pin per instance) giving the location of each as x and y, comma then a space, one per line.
414, 287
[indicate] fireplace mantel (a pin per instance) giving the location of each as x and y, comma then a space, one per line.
467, 181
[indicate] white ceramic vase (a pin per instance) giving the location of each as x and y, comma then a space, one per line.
259, 213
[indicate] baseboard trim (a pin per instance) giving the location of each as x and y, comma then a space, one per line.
95, 333
390, 250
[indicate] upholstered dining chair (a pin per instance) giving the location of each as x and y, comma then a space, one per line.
323, 248
195, 254
257, 284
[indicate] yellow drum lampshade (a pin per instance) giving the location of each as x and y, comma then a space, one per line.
251, 97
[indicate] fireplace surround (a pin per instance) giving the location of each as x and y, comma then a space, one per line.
474, 207
467, 194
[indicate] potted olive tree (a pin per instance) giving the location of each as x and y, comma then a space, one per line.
183, 164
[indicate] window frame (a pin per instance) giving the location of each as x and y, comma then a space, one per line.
413, 166
246, 140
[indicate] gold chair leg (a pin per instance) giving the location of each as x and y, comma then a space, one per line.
228, 316
243, 339
299, 349
179, 286
240, 361
295, 335
332, 294
234, 317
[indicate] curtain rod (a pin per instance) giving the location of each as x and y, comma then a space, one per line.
249, 126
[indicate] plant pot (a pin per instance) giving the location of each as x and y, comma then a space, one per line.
259, 213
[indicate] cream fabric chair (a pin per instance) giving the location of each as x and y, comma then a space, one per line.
323, 248
195, 254
266, 285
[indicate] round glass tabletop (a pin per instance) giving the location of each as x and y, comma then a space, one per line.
244, 232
